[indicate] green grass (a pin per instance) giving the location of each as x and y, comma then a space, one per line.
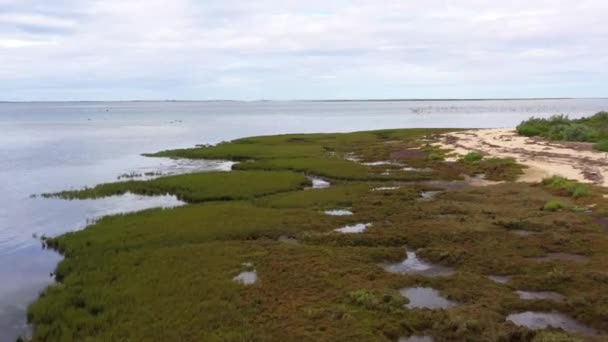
166, 275
325, 155
567, 187
336, 196
553, 336
560, 127
495, 169
553, 205
326, 167
601, 145
199, 187
472, 157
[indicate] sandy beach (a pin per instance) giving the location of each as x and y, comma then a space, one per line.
543, 158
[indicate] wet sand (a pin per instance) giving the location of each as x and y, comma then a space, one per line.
543, 158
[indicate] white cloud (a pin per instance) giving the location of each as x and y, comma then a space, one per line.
301, 49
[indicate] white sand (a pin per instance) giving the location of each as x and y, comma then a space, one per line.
543, 158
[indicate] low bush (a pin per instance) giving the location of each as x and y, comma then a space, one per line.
601, 145
553, 205
473, 157
561, 127
578, 132
567, 187
581, 190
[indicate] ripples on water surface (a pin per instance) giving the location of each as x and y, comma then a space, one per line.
47, 147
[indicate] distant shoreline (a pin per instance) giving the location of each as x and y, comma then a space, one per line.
321, 100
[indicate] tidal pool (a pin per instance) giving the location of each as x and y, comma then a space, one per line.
415, 169
338, 212
385, 188
352, 157
413, 265
428, 195
246, 277
534, 295
354, 228
319, 183
499, 279
542, 320
562, 257
425, 298
382, 162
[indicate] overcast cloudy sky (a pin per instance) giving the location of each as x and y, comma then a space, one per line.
282, 49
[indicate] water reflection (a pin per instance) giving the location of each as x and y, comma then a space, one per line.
413, 265
425, 298
354, 228
543, 320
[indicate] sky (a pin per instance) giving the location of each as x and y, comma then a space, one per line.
309, 49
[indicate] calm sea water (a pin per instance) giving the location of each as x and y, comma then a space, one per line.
46, 147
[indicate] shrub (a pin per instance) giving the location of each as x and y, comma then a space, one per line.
533, 127
570, 187
578, 132
553, 205
581, 190
556, 182
436, 156
601, 145
556, 132
473, 157
364, 298
560, 127
373, 301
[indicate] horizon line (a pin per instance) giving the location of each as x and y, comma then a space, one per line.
320, 100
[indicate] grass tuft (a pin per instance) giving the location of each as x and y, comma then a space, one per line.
553, 205
472, 157
567, 187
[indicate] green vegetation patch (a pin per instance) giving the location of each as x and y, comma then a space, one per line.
472, 157
567, 187
561, 127
326, 167
336, 196
199, 187
167, 275
553, 205
243, 151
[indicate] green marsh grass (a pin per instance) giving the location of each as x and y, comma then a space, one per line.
567, 186
473, 157
199, 187
166, 275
